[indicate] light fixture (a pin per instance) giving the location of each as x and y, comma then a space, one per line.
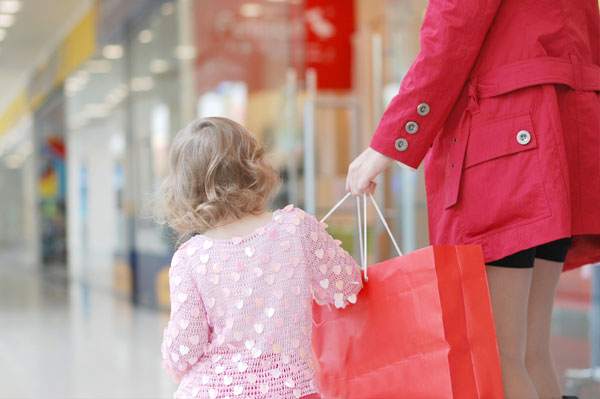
10, 6
96, 111
251, 10
185, 52
78, 121
121, 90
159, 65
116, 95
98, 66
82, 74
141, 83
167, 9
13, 161
77, 82
145, 36
18, 156
116, 144
2, 34
6, 20
112, 51
25, 149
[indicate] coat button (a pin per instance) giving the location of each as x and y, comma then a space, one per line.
401, 144
411, 127
423, 109
523, 137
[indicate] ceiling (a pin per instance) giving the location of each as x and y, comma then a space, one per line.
39, 27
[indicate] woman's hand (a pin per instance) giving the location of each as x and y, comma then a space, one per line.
363, 170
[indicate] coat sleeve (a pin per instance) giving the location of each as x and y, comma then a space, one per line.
451, 37
187, 333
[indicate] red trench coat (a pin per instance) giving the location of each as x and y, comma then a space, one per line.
503, 103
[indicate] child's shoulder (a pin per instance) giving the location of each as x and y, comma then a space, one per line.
298, 217
187, 252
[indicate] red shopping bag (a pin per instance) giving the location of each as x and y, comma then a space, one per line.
422, 327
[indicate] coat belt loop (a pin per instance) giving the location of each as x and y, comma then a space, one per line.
575, 67
473, 106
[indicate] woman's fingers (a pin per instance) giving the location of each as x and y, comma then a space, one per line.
363, 171
364, 185
354, 170
359, 178
372, 187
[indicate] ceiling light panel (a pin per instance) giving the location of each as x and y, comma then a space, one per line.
6, 20
10, 6
112, 51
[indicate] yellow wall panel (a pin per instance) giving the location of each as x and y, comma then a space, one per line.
79, 45
17, 109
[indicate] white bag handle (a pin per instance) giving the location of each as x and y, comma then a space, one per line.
362, 235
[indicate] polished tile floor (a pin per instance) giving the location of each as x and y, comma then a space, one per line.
60, 340
67, 340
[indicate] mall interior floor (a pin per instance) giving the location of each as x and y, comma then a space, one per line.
61, 339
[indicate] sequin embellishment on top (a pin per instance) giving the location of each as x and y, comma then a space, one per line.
241, 308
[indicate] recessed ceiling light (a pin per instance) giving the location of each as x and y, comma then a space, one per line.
167, 9
185, 52
251, 10
141, 83
98, 66
96, 110
10, 6
112, 51
2, 34
117, 94
145, 36
6, 20
159, 65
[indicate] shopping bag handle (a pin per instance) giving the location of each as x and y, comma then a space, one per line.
362, 227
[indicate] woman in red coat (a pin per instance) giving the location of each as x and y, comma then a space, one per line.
503, 104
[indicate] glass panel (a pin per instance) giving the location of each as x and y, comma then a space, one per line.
96, 114
154, 84
408, 204
18, 202
244, 68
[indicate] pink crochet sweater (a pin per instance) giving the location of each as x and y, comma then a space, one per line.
241, 309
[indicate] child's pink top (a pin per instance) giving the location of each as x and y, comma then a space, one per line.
241, 308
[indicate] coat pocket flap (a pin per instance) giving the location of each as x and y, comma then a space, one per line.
498, 138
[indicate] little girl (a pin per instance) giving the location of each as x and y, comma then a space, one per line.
241, 291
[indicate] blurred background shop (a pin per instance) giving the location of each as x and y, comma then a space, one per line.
92, 92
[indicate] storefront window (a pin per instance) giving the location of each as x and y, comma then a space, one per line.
154, 80
245, 53
408, 204
18, 202
96, 116
286, 70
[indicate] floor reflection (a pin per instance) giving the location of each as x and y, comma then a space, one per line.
66, 340
61, 340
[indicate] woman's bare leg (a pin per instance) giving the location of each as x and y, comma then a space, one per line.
509, 293
538, 359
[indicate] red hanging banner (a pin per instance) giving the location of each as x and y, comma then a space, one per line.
329, 26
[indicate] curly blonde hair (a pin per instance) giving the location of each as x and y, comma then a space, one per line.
217, 172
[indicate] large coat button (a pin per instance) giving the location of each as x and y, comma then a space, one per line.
401, 144
523, 137
423, 109
411, 127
